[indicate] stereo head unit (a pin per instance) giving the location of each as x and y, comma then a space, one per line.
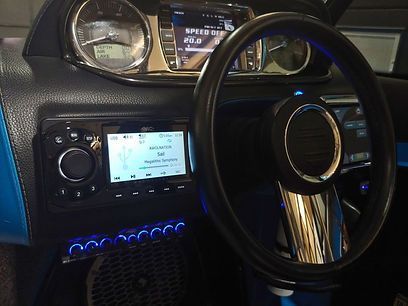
113, 160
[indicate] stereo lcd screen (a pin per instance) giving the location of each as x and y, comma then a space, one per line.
198, 33
139, 156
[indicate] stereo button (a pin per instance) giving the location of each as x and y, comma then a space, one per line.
118, 195
151, 190
89, 138
62, 192
135, 193
78, 194
73, 135
181, 187
59, 140
166, 189
92, 189
75, 164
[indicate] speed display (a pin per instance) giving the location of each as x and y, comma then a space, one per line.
139, 156
197, 34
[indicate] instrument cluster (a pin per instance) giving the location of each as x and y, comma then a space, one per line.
174, 39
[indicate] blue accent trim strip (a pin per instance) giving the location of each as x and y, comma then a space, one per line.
13, 219
402, 154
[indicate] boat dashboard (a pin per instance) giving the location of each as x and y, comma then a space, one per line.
98, 103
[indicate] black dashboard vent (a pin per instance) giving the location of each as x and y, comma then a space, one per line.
153, 274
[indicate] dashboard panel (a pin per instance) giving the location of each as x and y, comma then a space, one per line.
175, 39
77, 97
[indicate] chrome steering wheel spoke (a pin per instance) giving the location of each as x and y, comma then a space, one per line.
314, 226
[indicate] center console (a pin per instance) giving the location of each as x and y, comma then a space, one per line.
112, 161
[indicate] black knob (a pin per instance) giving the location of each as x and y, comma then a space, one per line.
75, 164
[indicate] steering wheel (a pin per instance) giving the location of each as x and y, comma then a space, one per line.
301, 143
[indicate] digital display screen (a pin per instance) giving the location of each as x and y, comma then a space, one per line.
139, 156
356, 139
198, 33
112, 51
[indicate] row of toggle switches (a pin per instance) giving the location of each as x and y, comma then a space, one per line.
96, 245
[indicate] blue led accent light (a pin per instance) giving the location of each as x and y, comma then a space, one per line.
203, 202
104, 241
98, 244
132, 238
364, 187
156, 230
180, 227
167, 230
13, 219
402, 154
90, 245
298, 93
120, 238
74, 246
139, 236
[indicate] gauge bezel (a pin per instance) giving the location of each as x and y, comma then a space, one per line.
88, 60
284, 71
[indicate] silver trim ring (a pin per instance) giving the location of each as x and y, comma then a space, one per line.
88, 60
59, 165
284, 71
337, 143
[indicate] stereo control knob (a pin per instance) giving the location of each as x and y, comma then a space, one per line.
75, 164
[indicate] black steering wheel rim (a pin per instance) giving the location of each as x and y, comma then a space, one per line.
356, 69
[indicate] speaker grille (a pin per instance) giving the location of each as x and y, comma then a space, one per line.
153, 274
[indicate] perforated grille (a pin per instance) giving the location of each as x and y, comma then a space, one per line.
154, 274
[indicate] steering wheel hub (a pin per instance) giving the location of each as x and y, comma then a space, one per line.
303, 136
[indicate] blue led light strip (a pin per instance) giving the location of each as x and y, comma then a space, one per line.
83, 247
13, 220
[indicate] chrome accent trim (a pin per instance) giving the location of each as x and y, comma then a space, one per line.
87, 60
340, 99
155, 67
291, 72
337, 142
60, 160
315, 226
347, 168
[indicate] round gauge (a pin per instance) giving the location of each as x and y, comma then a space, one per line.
110, 34
286, 55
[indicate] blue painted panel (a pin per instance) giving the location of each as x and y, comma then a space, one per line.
13, 220
402, 154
